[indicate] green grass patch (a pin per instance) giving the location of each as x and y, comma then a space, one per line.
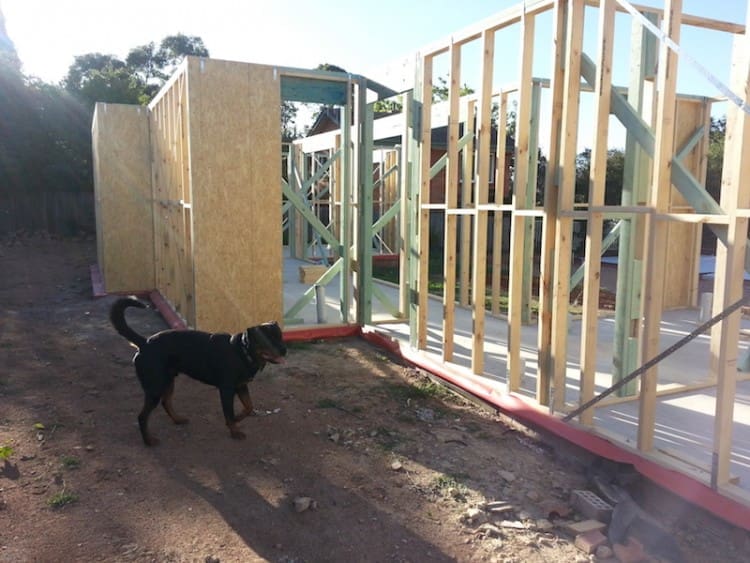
423, 390
70, 462
62, 498
5, 452
451, 485
327, 404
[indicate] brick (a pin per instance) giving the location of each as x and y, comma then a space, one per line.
589, 541
591, 505
630, 552
311, 274
584, 526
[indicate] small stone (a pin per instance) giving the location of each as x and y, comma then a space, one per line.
604, 552
212, 559
396, 465
89, 448
532, 496
498, 507
507, 476
473, 516
588, 542
544, 525
489, 530
302, 503
425, 415
584, 526
630, 552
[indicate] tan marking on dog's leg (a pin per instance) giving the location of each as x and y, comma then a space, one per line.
244, 396
166, 402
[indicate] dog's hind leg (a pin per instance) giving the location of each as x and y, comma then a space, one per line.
227, 405
244, 396
149, 404
166, 402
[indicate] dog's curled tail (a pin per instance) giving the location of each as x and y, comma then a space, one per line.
117, 316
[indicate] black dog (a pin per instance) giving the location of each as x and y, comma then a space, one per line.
225, 361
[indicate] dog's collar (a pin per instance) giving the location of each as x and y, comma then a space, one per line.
245, 347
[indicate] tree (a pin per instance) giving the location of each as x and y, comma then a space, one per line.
174, 48
288, 121
95, 77
441, 91
716, 135
613, 181
147, 63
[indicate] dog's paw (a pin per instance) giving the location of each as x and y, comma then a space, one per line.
151, 441
237, 434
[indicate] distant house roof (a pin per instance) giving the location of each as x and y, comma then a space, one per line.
328, 119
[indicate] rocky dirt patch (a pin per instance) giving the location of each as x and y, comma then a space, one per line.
354, 457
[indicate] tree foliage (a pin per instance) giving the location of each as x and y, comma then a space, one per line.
614, 176
45, 129
97, 77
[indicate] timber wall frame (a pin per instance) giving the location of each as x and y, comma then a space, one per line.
662, 210
215, 192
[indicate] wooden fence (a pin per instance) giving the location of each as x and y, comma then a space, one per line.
55, 212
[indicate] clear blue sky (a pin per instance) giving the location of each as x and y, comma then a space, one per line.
362, 37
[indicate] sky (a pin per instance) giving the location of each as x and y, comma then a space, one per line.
362, 37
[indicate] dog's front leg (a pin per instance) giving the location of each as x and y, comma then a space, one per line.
244, 395
227, 405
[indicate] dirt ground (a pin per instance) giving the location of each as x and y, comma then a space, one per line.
354, 458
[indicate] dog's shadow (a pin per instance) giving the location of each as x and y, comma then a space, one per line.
10, 471
274, 530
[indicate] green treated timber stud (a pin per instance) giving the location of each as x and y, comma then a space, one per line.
315, 223
690, 144
386, 217
415, 111
385, 301
635, 188
292, 219
528, 222
313, 90
309, 295
443, 160
346, 213
320, 172
608, 241
364, 278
